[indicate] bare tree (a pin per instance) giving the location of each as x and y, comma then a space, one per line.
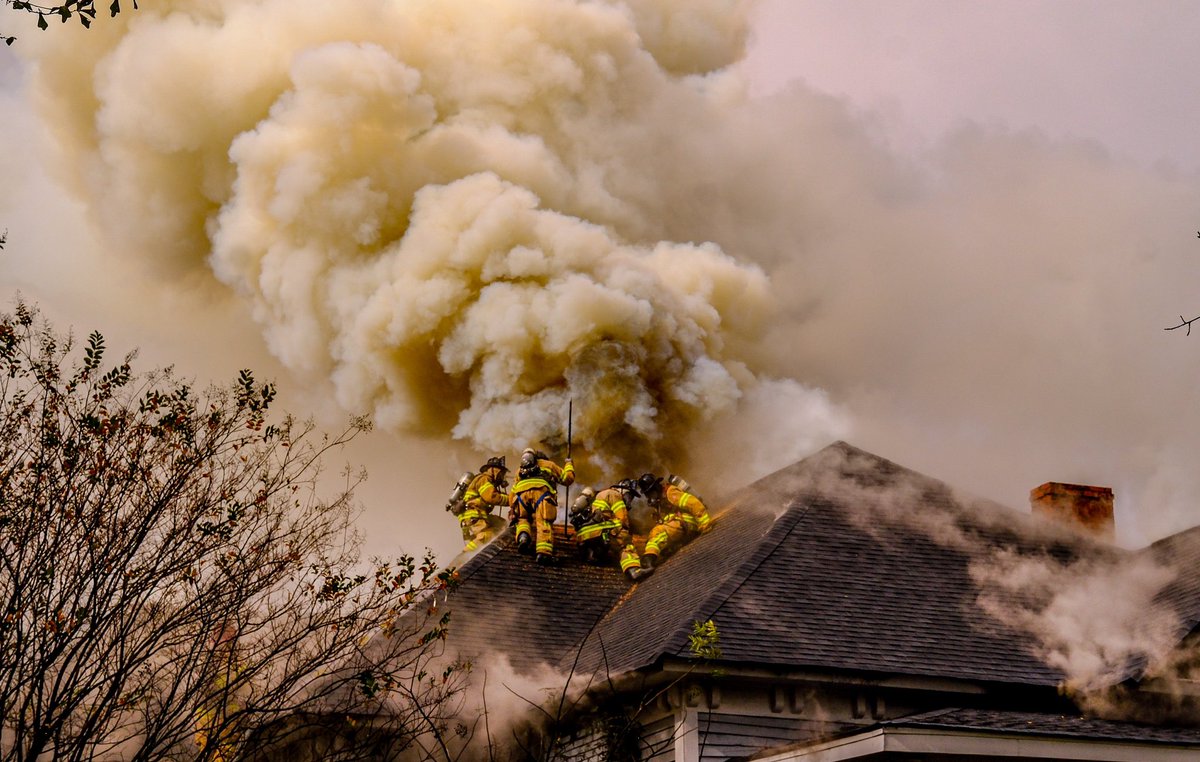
176, 584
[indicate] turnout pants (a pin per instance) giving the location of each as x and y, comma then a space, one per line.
538, 506
667, 537
616, 541
478, 528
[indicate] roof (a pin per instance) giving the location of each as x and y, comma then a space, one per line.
844, 561
1052, 725
1180, 551
505, 603
960, 733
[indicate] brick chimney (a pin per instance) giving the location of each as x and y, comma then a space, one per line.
1079, 505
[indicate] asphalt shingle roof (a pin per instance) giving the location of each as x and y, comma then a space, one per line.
1180, 551
1047, 725
843, 561
505, 603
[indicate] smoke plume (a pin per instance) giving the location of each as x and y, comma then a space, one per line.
987, 313
460, 215
440, 207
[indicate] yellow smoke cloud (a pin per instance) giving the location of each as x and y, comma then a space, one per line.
438, 205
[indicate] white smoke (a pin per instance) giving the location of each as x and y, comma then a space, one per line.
1096, 613
1059, 604
987, 314
440, 207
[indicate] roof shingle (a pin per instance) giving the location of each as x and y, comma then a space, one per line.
843, 561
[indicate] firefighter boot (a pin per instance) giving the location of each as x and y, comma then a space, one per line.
545, 559
525, 543
649, 561
639, 573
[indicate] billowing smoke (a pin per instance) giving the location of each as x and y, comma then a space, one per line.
463, 214
439, 206
987, 313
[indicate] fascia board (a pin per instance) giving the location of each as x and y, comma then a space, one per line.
677, 666
938, 742
850, 747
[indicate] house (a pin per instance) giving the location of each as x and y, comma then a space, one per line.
864, 612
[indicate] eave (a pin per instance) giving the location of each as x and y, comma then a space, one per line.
884, 743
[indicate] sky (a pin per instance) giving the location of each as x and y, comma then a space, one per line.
949, 233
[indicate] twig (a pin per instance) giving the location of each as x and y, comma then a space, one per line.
487, 728
1183, 323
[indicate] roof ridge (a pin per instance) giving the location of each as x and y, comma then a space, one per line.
738, 576
1162, 542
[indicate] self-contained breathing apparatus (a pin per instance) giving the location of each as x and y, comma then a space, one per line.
581, 509
457, 503
530, 467
678, 482
580, 519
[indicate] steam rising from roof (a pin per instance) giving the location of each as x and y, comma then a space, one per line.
439, 206
1096, 613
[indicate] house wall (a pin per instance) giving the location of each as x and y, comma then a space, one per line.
653, 740
725, 734
729, 717
715, 719
657, 740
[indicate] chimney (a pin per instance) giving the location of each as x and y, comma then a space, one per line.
1079, 505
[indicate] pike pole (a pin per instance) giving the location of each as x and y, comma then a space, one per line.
567, 499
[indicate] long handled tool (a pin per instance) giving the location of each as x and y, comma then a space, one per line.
567, 500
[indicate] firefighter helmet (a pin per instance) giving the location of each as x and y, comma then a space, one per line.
628, 488
650, 485
496, 462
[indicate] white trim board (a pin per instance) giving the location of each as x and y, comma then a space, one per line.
932, 741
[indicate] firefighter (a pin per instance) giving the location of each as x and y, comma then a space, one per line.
681, 514
534, 499
601, 521
483, 492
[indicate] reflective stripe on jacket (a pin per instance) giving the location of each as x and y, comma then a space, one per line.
596, 530
611, 502
551, 475
527, 484
482, 491
687, 508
